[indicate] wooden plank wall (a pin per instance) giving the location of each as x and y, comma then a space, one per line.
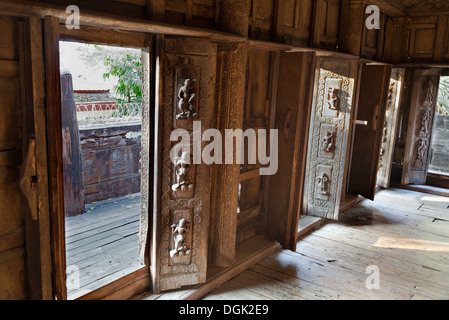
111, 161
12, 214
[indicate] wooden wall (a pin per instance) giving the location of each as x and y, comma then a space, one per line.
12, 214
111, 161
420, 37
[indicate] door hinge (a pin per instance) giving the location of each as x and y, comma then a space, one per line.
28, 178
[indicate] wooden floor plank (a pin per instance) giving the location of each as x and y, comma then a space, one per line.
404, 233
103, 244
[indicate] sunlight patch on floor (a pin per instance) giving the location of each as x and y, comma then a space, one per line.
411, 244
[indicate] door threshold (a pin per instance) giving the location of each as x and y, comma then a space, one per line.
248, 254
423, 188
308, 224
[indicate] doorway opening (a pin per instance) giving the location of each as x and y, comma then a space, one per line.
102, 129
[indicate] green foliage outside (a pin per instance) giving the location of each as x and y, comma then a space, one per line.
128, 69
443, 96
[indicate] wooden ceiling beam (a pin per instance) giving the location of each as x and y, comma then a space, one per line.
115, 22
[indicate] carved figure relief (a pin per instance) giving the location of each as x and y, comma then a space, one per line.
421, 151
424, 123
332, 97
328, 136
183, 186
430, 89
186, 98
323, 182
328, 141
180, 232
422, 144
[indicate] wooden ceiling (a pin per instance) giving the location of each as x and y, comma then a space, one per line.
425, 5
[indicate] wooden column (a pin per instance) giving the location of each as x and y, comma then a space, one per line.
55, 154
231, 86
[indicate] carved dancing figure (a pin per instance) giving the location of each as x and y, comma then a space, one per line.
186, 97
425, 118
182, 167
422, 145
328, 141
180, 232
333, 101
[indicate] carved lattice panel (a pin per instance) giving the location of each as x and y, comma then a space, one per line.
328, 137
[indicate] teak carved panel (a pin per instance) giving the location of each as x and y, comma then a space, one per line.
331, 112
188, 94
389, 127
420, 125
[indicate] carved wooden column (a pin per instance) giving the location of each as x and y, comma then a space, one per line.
231, 86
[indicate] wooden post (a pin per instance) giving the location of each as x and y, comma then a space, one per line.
53, 101
232, 66
73, 162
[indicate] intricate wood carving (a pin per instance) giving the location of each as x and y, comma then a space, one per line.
389, 129
323, 182
183, 178
332, 103
421, 151
186, 102
328, 138
424, 125
186, 92
181, 231
185, 188
422, 113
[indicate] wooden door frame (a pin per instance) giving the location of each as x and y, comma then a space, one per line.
138, 281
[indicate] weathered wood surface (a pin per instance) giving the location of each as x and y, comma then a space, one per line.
404, 233
103, 243
111, 161
12, 206
367, 139
72, 158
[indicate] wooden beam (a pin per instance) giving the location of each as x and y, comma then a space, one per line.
108, 21
103, 36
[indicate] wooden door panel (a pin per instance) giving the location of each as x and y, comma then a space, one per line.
389, 128
367, 138
187, 70
328, 137
420, 125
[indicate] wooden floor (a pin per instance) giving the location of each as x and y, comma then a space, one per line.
102, 244
405, 234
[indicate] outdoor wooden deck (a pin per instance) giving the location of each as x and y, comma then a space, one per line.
103, 243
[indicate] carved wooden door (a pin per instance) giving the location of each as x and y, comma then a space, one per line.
367, 138
328, 136
389, 127
420, 124
186, 87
